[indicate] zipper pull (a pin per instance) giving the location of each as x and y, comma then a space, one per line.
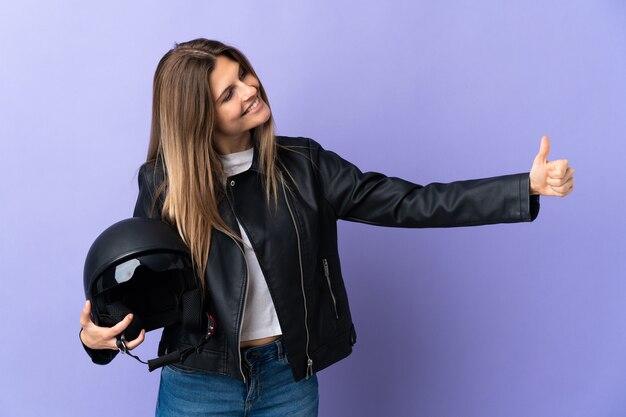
330, 287
309, 368
325, 264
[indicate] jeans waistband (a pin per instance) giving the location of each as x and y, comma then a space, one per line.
263, 353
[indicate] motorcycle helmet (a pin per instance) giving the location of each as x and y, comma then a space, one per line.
142, 266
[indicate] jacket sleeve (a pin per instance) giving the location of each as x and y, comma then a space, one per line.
376, 199
144, 207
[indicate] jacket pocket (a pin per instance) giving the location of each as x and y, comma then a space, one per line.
330, 286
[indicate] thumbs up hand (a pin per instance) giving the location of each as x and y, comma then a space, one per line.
550, 178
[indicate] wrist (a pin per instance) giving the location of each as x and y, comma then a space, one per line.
532, 190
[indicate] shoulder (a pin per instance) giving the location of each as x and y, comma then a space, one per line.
297, 142
297, 145
148, 167
150, 174
151, 190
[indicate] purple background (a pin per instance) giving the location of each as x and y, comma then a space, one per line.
508, 320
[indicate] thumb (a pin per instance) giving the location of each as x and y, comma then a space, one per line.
544, 150
85, 316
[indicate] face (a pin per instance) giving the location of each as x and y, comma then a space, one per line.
238, 105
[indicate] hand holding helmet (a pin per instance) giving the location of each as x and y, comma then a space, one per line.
139, 277
96, 337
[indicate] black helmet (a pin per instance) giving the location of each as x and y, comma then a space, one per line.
142, 266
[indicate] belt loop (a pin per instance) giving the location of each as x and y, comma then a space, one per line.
280, 351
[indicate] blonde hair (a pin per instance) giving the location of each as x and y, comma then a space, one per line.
182, 138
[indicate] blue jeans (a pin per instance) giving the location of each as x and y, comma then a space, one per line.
270, 389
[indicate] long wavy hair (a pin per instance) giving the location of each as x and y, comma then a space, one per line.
182, 139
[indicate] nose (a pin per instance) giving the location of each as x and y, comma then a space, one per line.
247, 91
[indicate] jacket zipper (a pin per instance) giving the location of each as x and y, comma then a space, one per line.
330, 287
309, 361
243, 304
245, 295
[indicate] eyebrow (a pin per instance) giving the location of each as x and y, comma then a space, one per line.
227, 88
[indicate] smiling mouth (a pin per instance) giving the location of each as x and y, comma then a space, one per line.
252, 106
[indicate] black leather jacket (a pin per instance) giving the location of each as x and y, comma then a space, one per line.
296, 244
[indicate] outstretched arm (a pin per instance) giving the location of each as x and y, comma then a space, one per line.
374, 198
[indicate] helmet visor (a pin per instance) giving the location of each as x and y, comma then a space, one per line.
145, 265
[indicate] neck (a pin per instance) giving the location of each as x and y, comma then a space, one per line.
232, 144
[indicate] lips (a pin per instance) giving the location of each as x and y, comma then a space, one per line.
252, 106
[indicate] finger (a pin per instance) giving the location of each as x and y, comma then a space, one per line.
137, 341
569, 174
571, 188
122, 325
557, 169
544, 150
85, 316
559, 182
564, 190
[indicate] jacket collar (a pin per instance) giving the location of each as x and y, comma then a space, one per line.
255, 159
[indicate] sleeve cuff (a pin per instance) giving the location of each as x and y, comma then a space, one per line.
98, 356
534, 207
529, 204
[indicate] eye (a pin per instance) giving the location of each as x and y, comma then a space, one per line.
242, 74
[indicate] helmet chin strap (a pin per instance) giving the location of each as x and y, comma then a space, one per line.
173, 357
119, 342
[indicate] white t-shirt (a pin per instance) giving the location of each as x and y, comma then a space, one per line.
259, 317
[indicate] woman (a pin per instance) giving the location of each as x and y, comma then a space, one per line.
259, 213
